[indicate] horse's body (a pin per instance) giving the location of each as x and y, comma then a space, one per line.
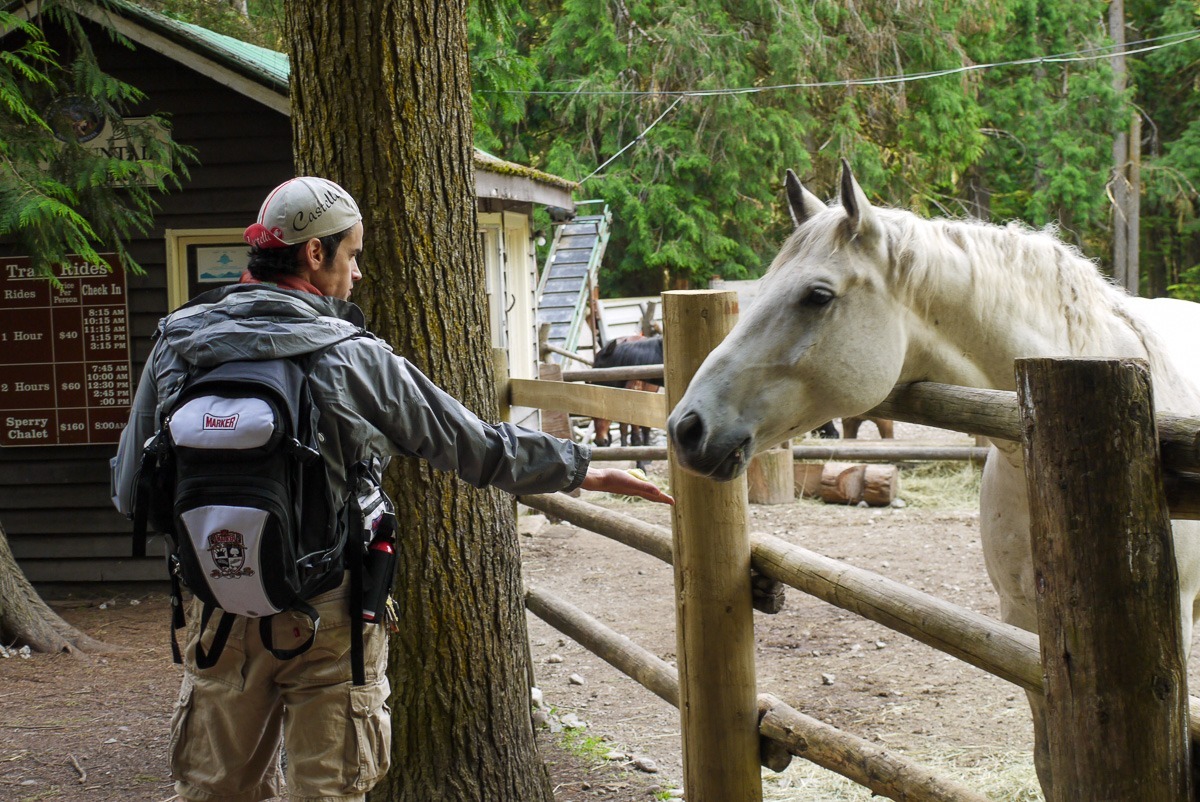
625, 352
861, 299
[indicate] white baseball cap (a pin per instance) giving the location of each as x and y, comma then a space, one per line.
300, 209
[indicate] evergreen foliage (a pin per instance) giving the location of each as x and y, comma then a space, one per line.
701, 195
57, 195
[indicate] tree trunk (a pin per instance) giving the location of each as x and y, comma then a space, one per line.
1121, 190
381, 104
26, 620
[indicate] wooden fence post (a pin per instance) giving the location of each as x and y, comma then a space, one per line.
714, 618
1107, 589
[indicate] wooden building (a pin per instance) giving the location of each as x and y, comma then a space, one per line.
73, 356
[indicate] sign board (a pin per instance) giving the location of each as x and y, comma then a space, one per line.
64, 354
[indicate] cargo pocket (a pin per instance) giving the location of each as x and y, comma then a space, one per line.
372, 732
229, 670
179, 722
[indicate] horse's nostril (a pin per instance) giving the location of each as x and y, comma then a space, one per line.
688, 430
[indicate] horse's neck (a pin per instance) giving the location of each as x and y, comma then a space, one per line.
971, 321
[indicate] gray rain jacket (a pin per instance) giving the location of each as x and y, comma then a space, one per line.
373, 403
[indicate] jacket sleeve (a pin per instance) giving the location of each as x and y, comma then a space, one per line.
141, 426
386, 393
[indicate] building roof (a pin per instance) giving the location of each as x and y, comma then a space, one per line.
262, 75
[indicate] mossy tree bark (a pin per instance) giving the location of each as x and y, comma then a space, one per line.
25, 619
381, 104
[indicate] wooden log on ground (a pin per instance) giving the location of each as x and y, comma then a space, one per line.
770, 477
842, 482
713, 613
806, 479
1108, 593
881, 483
885, 773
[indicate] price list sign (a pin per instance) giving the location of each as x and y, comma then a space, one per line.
64, 354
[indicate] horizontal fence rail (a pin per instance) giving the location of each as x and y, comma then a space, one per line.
630, 373
865, 763
614, 403
999, 649
898, 452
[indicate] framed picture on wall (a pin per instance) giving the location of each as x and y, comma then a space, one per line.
202, 259
217, 264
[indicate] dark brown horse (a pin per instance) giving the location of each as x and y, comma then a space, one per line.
624, 352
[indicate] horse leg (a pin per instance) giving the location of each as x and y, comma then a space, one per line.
1008, 556
603, 436
850, 428
624, 427
885, 427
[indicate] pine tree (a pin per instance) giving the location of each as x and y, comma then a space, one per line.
58, 196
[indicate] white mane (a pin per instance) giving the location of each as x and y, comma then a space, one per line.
1017, 275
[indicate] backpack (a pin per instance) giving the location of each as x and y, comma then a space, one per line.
235, 478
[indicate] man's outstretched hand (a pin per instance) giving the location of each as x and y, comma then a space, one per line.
615, 480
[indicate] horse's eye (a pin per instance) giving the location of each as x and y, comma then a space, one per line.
818, 296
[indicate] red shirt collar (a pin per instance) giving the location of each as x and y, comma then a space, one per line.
288, 282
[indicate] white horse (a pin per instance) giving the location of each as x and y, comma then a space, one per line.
862, 298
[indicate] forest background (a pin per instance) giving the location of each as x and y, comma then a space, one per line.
1008, 110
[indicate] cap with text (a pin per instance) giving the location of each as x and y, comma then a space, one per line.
300, 209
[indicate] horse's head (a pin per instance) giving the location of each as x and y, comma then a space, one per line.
824, 338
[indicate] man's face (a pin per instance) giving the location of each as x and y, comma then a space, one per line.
337, 273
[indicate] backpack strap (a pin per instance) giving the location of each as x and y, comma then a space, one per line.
177, 619
268, 638
354, 562
220, 638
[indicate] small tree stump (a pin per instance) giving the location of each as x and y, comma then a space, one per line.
807, 479
881, 483
769, 477
842, 482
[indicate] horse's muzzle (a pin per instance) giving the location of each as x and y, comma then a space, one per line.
721, 458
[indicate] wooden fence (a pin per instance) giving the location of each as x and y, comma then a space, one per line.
1101, 476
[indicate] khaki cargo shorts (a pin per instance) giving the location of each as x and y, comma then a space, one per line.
226, 728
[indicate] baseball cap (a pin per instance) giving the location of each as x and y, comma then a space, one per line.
300, 209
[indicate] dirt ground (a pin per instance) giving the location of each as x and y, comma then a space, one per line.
96, 730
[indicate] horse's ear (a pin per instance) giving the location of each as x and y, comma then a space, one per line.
801, 203
862, 216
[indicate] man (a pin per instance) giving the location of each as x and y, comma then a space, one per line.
374, 404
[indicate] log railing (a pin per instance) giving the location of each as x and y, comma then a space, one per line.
1007, 652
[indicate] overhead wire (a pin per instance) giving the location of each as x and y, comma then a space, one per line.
1088, 54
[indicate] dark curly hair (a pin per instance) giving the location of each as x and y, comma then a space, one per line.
268, 263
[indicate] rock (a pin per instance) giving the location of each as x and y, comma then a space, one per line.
554, 658
530, 525
615, 755
827, 679
537, 698
540, 719
573, 722
575, 679
899, 503
645, 764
